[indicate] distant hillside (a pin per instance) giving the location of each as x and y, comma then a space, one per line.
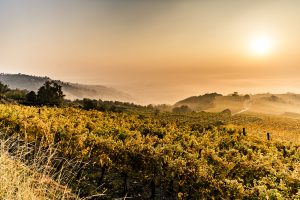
282, 104
71, 90
201, 102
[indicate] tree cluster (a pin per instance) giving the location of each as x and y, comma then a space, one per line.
9, 95
112, 106
3, 88
50, 94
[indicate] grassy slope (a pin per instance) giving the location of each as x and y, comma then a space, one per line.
19, 181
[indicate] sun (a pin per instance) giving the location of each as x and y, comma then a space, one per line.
261, 44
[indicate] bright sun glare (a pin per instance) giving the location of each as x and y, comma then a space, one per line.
261, 45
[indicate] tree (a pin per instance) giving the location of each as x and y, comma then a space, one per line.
247, 97
274, 98
16, 94
50, 94
235, 94
3, 88
89, 104
31, 97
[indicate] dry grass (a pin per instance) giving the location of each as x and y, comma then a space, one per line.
32, 178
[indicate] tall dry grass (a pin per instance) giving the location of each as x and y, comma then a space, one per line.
28, 172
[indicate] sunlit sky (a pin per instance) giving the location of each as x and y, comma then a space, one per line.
158, 51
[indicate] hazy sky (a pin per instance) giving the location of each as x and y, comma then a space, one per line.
159, 51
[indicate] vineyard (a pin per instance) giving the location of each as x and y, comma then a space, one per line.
164, 156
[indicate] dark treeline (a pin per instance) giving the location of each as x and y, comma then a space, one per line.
11, 95
51, 94
113, 106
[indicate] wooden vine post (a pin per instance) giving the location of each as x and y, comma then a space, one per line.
268, 136
244, 131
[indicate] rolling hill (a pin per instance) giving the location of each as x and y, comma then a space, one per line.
71, 90
287, 104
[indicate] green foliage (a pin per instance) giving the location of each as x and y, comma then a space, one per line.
18, 95
50, 94
12, 95
89, 104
